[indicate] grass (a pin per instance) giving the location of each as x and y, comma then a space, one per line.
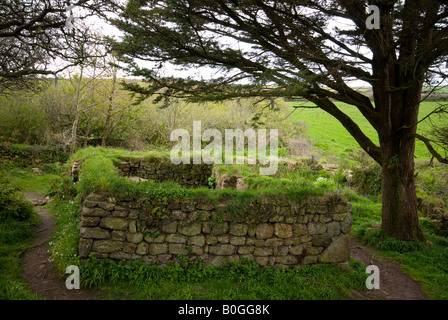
15, 237
330, 136
17, 219
239, 280
30, 182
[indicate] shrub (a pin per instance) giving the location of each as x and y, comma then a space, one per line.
367, 174
63, 187
13, 205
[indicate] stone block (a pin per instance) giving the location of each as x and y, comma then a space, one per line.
89, 221
346, 224
178, 215
300, 229
158, 248
337, 251
130, 248
135, 237
238, 241
107, 246
219, 228
273, 242
191, 229
296, 250
211, 240
238, 229
94, 233
142, 248
187, 207
225, 238
283, 230
118, 235
207, 206
175, 238
84, 247
288, 260
132, 226
222, 249
246, 249
333, 229
264, 231
114, 223
177, 248
321, 240
94, 212
316, 228
263, 251
197, 240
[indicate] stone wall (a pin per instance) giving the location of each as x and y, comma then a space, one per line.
162, 170
273, 232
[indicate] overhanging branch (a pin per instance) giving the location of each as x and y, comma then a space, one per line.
430, 148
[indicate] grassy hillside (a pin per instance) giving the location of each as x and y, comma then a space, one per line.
330, 135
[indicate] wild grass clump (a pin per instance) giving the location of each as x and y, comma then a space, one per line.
241, 280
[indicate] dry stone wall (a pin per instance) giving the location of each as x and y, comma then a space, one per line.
162, 170
273, 232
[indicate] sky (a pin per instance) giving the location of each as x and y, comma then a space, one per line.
107, 29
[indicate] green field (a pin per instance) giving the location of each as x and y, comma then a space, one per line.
329, 135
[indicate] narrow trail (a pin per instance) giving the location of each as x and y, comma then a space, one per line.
394, 283
38, 271
43, 277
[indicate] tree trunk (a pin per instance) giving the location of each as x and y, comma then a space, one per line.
399, 211
397, 142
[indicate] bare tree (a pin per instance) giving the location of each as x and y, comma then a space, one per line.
34, 33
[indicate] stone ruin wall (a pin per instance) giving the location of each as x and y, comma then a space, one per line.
273, 233
162, 170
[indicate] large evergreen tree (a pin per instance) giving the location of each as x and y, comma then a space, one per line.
311, 49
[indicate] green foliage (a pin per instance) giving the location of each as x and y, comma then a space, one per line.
13, 205
62, 187
368, 179
383, 242
24, 155
432, 182
241, 279
63, 245
15, 236
53, 168
17, 219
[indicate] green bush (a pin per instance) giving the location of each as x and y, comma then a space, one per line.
13, 205
54, 168
63, 187
369, 179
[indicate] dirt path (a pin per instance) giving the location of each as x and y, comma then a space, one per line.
41, 275
394, 283
44, 279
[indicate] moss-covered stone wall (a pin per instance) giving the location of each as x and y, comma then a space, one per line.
273, 231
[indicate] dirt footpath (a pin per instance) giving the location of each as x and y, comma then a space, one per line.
394, 283
38, 271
